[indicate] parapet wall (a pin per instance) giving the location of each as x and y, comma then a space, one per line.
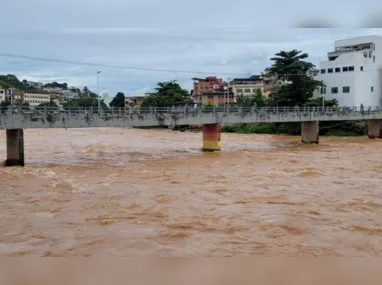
21, 119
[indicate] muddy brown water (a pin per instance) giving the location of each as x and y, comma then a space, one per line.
128, 192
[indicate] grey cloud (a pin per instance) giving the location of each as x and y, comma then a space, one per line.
47, 14
239, 51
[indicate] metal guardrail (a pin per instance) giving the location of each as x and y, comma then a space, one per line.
177, 110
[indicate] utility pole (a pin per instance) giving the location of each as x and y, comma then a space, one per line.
323, 95
99, 101
227, 96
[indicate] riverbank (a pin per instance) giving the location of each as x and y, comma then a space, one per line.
342, 128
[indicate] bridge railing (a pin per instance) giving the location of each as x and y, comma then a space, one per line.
180, 110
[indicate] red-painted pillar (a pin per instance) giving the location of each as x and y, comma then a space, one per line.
211, 137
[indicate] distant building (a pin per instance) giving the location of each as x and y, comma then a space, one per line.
134, 101
35, 99
35, 84
352, 73
68, 94
247, 86
52, 89
218, 97
2, 95
205, 87
13, 94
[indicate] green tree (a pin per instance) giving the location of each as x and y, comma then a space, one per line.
290, 66
49, 105
86, 90
10, 80
317, 102
167, 94
17, 103
84, 102
118, 100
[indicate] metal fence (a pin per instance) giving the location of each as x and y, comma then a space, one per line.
181, 110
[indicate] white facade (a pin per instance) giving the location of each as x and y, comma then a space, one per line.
35, 99
246, 89
352, 73
2, 95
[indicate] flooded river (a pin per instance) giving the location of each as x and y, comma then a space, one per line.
127, 192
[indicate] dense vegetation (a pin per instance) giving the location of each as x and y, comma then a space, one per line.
167, 94
10, 80
118, 101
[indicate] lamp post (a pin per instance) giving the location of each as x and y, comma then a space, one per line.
323, 95
99, 102
226, 95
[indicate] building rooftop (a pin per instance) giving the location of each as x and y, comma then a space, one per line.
357, 41
253, 78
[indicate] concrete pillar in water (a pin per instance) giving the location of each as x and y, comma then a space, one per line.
374, 128
310, 132
15, 147
211, 137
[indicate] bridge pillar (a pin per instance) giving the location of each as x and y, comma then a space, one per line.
374, 128
310, 132
15, 147
211, 137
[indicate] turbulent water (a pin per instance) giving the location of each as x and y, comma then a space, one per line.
127, 192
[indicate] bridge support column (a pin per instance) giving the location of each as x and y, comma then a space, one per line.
15, 147
310, 132
211, 137
374, 128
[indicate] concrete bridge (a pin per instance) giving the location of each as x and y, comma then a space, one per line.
15, 120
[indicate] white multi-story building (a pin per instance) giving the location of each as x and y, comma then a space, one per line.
35, 99
352, 73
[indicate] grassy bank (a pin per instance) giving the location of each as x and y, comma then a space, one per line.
343, 128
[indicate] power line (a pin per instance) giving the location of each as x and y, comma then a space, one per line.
141, 68
113, 66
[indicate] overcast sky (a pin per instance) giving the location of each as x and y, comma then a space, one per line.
228, 38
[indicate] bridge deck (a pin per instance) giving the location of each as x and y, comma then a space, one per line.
18, 118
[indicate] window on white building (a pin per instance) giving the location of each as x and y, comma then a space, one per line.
338, 69
334, 90
346, 89
372, 88
323, 90
239, 90
330, 70
374, 58
361, 68
344, 69
323, 71
351, 68
247, 90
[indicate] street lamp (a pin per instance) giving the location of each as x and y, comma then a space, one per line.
227, 99
99, 102
323, 91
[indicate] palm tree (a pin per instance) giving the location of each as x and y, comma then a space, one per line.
290, 66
